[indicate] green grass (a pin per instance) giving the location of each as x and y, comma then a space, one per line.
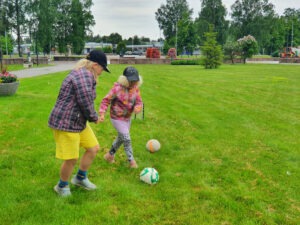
230, 151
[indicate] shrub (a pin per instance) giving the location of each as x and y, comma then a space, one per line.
186, 62
276, 54
172, 53
211, 51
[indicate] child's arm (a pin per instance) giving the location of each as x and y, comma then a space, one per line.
106, 102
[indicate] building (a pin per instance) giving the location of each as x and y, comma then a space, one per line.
89, 46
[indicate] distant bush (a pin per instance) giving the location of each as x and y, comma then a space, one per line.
172, 53
186, 62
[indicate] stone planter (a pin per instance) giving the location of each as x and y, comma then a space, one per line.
7, 89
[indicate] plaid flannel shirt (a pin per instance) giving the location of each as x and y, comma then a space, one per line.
75, 102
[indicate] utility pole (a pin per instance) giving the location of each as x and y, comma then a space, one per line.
6, 42
292, 38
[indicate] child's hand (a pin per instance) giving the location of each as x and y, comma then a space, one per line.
137, 110
98, 121
101, 117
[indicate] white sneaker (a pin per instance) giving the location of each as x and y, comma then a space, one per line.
63, 192
85, 183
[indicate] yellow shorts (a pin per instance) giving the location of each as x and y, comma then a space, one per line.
69, 143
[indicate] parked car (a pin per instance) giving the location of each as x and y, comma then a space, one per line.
137, 53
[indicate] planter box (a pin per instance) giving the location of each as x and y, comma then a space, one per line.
7, 89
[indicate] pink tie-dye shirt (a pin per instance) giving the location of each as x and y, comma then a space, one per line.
123, 102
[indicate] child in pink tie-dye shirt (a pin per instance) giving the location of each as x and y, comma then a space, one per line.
124, 98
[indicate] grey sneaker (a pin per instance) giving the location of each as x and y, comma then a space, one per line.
63, 192
85, 183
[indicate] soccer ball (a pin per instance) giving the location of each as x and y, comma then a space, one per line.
153, 145
149, 176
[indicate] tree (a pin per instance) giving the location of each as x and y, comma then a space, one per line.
45, 12
121, 48
168, 16
16, 19
278, 37
186, 37
78, 31
6, 41
231, 49
213, 12
4, 23
248, 46
253, 17
172, 18
114, 38
72, 22
211, 51
145, 40
291, 19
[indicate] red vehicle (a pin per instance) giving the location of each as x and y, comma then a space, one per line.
290, 52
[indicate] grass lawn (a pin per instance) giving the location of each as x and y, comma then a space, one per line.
230, 151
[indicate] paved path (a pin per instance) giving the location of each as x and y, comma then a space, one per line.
57, 67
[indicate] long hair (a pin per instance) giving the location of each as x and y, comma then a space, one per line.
88, 65
124, 82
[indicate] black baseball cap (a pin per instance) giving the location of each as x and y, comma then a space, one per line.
131, 74
98, 57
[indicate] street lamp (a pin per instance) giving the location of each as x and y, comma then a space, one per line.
176, 28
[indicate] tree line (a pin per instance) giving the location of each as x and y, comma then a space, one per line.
49, 24
248, 17
46, 23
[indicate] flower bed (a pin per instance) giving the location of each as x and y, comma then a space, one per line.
8, 83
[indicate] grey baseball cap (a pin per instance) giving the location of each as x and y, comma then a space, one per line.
131, 74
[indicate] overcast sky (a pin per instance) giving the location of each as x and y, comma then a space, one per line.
137, 17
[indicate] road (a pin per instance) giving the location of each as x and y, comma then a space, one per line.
57, 67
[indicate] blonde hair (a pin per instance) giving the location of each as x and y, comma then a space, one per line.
123, 81
88, 65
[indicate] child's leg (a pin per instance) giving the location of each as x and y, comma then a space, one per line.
127, 146
123, 128
116, 144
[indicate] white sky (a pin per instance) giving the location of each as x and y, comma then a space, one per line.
137, 17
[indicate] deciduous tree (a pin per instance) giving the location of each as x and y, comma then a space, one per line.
213, 12
248, 47
253, 17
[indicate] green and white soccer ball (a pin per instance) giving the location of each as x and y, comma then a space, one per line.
149, 176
